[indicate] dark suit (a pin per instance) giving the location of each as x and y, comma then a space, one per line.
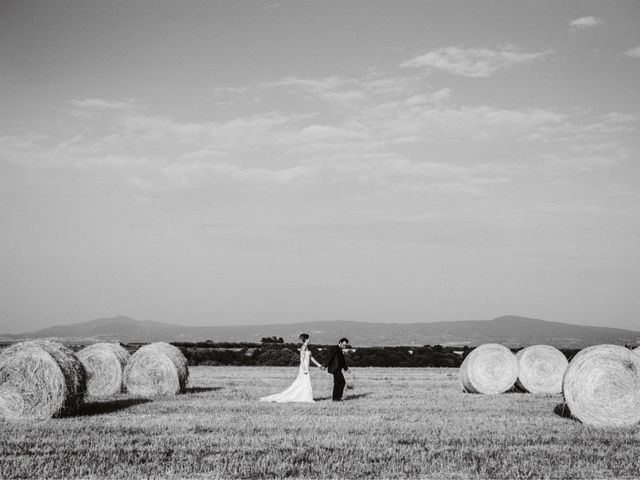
335, 365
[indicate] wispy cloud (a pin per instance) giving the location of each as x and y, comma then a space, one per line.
99, 103
425, 98
348, 92
633, 52
473, 62
585, 22
337, 90
404, 134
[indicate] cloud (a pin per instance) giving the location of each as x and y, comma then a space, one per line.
20, 142
584, 22
425, 98
473, 62
185, 175
317, 85
404, 134
347, 92
571, 165
633, 52
617, 117
238, 134
101, 104
335, 90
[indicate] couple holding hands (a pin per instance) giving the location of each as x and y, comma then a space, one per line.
300, 390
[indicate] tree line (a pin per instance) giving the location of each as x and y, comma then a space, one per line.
287, 354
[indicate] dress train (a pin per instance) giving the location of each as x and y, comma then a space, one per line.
300, 390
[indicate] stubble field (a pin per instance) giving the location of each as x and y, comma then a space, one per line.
395, 423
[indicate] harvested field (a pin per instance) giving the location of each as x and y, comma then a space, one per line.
396, 423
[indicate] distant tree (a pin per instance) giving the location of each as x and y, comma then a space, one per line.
272, 339
277, 353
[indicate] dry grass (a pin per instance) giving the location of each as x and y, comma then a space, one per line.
396, 423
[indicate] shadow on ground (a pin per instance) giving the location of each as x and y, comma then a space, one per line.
201, 389
346, 398
517, 390
356, 396
109, 406
562, 410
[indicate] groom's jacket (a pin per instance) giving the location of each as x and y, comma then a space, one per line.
336, 360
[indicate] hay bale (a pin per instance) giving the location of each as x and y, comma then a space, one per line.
40, 379
157, 369
491, 368
601, 386
104, 363
11, 403
541, 369
637, 350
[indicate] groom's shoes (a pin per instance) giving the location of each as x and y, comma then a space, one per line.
337, 400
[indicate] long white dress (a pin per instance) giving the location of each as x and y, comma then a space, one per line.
300, 389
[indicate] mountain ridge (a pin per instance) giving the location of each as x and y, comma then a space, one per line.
510, 330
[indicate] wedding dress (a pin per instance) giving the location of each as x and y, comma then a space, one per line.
300, 389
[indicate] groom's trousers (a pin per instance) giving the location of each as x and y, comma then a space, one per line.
338, 384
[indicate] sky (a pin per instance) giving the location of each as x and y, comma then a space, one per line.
225, 162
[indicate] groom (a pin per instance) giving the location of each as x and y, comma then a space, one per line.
335, 365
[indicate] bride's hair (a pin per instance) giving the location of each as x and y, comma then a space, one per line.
304, 337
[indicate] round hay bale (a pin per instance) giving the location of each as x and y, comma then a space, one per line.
541, 369
157, 369
40, 379
490, 369
104, 363
601, 386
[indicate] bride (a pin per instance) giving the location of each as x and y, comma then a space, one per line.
300, 389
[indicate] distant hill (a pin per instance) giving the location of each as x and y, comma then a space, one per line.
512, 331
